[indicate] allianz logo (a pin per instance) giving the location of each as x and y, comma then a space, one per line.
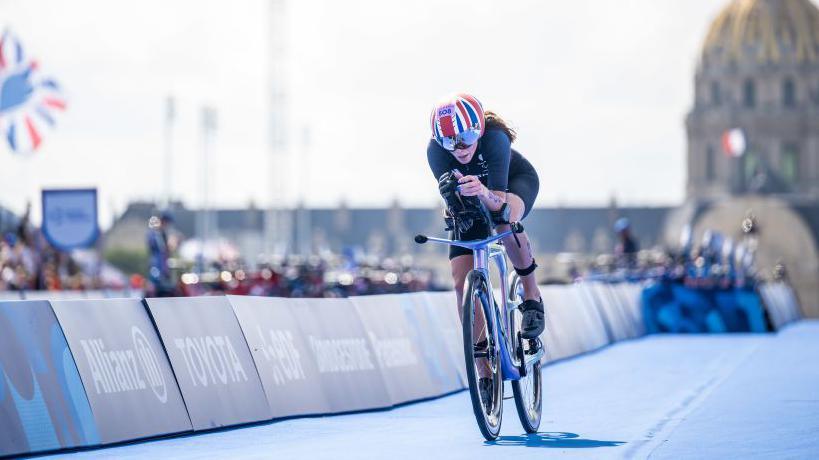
211, 360
279, 349
394, 352
126, 370
341, 355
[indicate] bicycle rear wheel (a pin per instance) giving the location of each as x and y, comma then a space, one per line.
482, 362
528, 394
528, 390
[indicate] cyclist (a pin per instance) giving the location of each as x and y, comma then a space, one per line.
476, 148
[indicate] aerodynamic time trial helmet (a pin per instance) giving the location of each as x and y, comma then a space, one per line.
457, 121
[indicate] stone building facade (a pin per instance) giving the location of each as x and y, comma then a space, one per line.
759, 72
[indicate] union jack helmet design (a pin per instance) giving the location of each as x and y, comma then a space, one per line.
29, 101
457, 120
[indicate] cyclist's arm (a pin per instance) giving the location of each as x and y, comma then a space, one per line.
493, 199
497, 152
438, 159
472, 186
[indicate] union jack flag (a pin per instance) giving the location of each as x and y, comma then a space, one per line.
29, 101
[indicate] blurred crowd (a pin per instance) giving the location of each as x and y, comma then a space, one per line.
325, 275
28, 262
716, 261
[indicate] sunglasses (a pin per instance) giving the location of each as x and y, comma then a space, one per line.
461, 141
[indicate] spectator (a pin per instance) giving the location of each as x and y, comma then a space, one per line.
159, 251
625, 251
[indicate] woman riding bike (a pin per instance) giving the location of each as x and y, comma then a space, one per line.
475, 147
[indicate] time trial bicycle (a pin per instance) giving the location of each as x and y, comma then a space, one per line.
498, 348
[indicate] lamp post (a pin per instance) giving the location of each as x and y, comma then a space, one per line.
204, 218
170, 115
276, 222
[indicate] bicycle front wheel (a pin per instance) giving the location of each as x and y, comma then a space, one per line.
482, 355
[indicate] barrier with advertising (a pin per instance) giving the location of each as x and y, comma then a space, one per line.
444, 313
780, 303
631, 299
561, 337
437, 358
591, 323
348, 367
123, 367
10, 295
42, 401
53, 295
677, 308
612, 311
432, 323
282, 355
211, 360
233, 360
408, 362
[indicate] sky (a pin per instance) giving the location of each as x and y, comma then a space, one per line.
597, 90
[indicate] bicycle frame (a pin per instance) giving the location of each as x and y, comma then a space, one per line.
485, 250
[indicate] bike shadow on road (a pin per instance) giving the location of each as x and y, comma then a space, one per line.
561, 440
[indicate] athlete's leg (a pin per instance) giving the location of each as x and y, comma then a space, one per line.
461, 265
521, 256
520, 253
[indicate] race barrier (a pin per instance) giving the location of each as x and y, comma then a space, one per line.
127, 377
43, 405
84, 373
781, 304
73, 295
348, 369
573, 325
281, 352
10, 295
677, 308
211, 360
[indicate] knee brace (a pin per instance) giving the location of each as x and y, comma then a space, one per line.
526, 271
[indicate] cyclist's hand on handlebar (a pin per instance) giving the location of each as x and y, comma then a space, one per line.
471, 186
446, 185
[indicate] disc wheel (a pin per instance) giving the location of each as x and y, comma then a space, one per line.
482, 361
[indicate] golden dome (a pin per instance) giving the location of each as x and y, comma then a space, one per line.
764, 31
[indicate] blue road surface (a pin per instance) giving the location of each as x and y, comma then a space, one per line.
695, 396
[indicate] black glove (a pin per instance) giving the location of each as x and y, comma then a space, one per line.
447, 185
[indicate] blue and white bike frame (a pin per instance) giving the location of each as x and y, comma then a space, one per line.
484, 250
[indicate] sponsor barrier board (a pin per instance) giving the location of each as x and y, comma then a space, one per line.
780, 303
10, 295
611, 310
349, 370
631, 295
399, 346
211, 360
282, 355
436, 326
53, 295
563, 323
126, 374
43, 405
594, 333
444, 312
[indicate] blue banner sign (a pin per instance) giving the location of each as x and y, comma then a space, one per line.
70, 218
